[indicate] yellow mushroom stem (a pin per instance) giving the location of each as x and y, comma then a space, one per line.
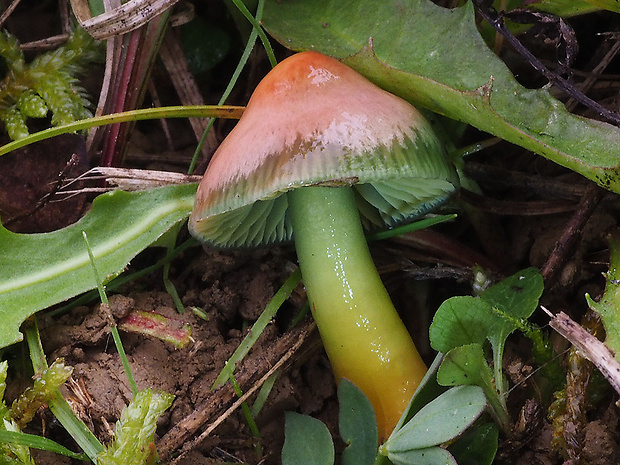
365, 339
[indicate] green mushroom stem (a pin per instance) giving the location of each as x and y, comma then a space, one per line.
365, 339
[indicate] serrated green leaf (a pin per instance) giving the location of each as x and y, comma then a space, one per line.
39, 270
358, 425
428, 456
307, 441
440, 421
435, 58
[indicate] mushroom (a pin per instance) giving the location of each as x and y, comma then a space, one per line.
319, 157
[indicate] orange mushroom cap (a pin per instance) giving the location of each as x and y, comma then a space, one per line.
314, 121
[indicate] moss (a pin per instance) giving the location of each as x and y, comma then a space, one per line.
46, 84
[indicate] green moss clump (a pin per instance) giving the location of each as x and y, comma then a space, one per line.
46, 84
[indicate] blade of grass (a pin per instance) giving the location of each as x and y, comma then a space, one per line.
259, 325
247, 413
113, 329
170, 239
422, 224
258, 28
123, 279
38, 442
263, 394
57, 404
210, 111
231, 84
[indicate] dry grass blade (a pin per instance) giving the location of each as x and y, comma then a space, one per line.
179, 437
174, 60
127, 179
120, 20
589, 346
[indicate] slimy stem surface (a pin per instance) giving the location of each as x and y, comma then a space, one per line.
363, 335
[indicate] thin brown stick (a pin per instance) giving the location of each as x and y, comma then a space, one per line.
173, 58
5, 15
43, 201
180, 436
496, 20
572, 233
589, 346
596, 72
515, 207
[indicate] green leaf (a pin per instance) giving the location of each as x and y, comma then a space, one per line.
498, 311
466, 365
566, 8
37, 442
608, 307
307, 441
13, 450
459, 321
435, 58
516, 297
358, 425
512, 301
611, 5
39, 270
440, 421
428, 456
477, 446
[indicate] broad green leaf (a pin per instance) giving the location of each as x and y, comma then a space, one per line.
608, 307
611, 5
459, 321
358, 425
39, 270
307, 441
513, 300
442, 420
466, 365
517, 295
498, 311
567, 8
435, 58
428, 456
477, 446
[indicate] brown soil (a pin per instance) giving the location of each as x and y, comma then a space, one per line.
232, 289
